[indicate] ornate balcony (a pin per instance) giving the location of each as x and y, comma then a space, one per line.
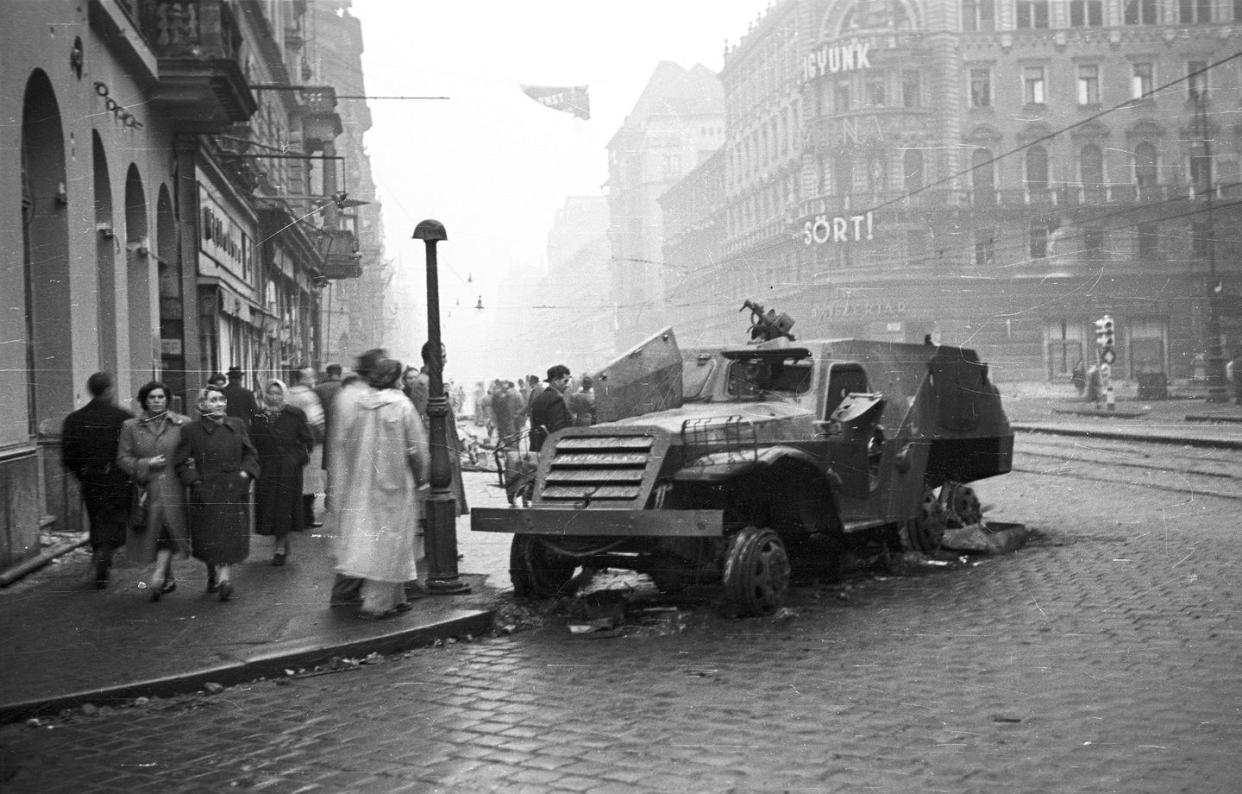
200, 84
341, 257
320, 121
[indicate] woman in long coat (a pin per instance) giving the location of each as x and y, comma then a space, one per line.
283, 439
379, 459
145, 452
217, 461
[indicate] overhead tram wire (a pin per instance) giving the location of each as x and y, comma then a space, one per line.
1049, 136
285, 87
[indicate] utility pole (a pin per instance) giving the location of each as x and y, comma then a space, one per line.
1217, 390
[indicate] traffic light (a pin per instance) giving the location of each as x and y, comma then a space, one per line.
1106, 338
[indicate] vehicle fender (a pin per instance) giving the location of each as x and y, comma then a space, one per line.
722, 466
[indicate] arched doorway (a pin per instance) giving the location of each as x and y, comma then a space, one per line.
168, 264
45, 257
106, 247
143, 350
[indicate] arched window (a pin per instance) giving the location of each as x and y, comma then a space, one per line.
1036, 167
1146, 166
912, 169
1091, 171
983, 177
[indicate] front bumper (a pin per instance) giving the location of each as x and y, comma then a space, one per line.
598, 522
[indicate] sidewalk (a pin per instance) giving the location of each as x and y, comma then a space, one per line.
66, 643
1187, 418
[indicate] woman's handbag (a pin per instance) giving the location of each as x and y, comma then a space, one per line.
138, 509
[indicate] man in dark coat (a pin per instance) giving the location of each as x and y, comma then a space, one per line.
242, 403
89, 442
326, 391
548, 411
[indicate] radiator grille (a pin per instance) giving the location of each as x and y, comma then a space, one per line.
600, 469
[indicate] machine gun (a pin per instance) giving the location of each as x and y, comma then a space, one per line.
765, 326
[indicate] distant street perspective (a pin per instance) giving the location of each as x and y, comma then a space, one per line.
715, 396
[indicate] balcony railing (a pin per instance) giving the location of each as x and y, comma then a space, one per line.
201, 85
341, 257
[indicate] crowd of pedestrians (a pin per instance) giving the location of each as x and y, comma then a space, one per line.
168, 486
506, 411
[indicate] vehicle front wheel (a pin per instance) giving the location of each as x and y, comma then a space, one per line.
756, 573
537, 571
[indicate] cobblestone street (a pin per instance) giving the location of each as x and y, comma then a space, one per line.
1101, 657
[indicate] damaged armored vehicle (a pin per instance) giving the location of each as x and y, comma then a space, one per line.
731, 465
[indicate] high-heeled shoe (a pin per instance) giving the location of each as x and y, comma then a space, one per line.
226, 591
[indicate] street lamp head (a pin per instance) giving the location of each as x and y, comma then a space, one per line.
430, 230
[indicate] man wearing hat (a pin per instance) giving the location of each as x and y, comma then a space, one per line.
241, 400
548, 411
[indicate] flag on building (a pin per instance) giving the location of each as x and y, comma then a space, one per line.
574, 99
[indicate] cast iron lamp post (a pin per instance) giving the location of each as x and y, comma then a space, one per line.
441, 533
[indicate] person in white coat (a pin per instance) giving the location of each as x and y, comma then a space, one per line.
378, 462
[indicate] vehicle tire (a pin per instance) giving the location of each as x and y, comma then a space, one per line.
756, 573
538, 572
925, 532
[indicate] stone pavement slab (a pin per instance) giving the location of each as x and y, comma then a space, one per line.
65, 642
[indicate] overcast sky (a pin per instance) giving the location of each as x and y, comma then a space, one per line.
490, 163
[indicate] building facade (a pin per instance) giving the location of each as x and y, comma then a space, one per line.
677, 122
991, 173
167, 208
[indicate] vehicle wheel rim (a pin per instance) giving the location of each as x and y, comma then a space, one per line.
769, 575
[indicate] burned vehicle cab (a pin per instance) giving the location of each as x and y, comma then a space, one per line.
734, 464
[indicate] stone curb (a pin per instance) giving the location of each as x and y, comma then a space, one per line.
1128, 435
267, 662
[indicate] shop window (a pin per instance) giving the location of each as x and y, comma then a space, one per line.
1065, 349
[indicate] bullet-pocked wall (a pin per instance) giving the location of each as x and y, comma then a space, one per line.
82, 159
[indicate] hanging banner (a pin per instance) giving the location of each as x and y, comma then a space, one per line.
573, 99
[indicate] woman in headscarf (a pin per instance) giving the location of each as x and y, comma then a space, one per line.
145, 452
283, 439
379, 460
217, 461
